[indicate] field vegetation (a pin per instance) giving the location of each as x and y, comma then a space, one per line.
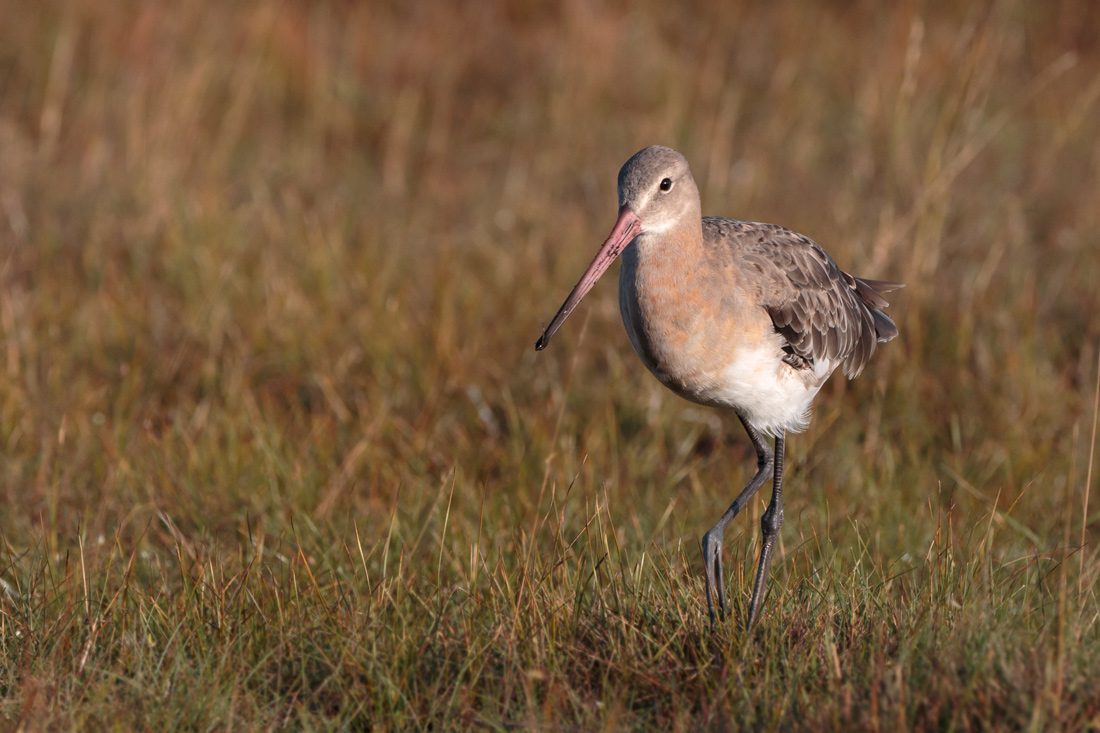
277, 451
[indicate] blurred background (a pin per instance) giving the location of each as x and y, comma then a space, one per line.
276, 269
279, 258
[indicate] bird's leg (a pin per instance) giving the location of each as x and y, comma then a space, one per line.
712, 540
770, 524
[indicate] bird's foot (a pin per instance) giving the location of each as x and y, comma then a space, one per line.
712, 564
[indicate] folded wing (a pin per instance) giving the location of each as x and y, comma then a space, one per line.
824, 313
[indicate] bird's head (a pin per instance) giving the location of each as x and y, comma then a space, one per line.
656, 193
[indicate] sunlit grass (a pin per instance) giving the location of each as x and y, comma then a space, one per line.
278, 451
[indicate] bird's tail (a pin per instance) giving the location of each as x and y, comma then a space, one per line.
870, 292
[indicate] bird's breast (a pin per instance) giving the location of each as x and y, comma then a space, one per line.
684, 319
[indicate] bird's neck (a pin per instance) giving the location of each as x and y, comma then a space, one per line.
675, 252
661, 272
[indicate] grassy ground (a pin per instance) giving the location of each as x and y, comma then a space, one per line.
278, 452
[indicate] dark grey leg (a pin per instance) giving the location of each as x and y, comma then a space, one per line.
770, 524
712, 540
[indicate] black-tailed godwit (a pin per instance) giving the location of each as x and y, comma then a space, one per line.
747, 316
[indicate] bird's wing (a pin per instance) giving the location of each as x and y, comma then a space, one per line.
823, 312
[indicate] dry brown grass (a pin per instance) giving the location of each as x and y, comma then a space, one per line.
278, 451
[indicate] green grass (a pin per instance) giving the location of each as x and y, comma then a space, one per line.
278, 451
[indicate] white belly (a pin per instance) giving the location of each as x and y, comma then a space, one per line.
773, 396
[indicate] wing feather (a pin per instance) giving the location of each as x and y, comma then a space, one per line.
824, 313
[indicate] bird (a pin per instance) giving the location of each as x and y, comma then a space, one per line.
746, 316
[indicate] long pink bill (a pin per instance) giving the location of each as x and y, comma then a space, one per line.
626, 228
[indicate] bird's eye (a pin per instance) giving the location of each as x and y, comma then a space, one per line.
666, 185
